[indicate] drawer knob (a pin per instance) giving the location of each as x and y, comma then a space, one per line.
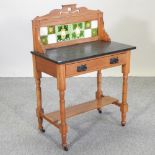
81, 68
114, 60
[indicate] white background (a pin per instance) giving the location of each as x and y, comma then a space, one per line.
126, 21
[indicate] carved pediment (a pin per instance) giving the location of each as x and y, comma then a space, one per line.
67, 11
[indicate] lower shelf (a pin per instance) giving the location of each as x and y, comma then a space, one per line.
80, 108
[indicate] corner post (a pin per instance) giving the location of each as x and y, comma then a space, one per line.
61, 85
39, 109
124, 105
99, 93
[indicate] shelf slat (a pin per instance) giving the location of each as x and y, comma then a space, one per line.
80, 108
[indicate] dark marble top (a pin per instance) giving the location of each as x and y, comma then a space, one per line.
83, 51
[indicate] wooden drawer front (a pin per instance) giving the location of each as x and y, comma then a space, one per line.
89, 65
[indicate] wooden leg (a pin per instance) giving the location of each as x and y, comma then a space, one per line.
124, 105
99, 93
61, 87
63, 129
39, 109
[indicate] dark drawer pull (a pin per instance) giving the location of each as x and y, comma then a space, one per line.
114, 60
81, 68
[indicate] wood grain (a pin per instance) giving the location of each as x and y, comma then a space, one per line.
95, 64
124, 105
37, 75
70, 14
46, 66
81, 108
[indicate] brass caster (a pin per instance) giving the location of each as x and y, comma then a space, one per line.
65, 147
99, 110
123, 123
42, 130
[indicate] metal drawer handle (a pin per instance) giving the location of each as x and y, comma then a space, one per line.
82, 68
114, 60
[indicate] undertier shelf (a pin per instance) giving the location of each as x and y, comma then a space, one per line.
80, 108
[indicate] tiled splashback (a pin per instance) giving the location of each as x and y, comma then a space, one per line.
59, 33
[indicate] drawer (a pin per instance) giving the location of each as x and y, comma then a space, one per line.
93, 64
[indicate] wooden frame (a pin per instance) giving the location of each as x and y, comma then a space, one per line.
70, 13
62, 16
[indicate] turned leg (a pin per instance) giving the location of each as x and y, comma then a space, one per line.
63, 128
99, 93
39, 109
61, 87
124, 105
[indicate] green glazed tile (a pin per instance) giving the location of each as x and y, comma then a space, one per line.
74, 26
77, 30
81, 34
60, 27
56, 29
73, 35
94, 32
51, 29
80, 25
67, 37
87, 25
66, 27
69, 31
59, 38
44, 40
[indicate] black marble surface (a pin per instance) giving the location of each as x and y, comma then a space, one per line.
83, 51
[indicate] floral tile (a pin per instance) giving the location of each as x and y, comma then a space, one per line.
58, 33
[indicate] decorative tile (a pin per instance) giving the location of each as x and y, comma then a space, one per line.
63, 38
51, 29
44, 40
43, 31
87, 33
58, 33
78, 36
94, 32
77, 30
62, 27
62, 32
52, 38
87, 25
79, 25
94, 24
